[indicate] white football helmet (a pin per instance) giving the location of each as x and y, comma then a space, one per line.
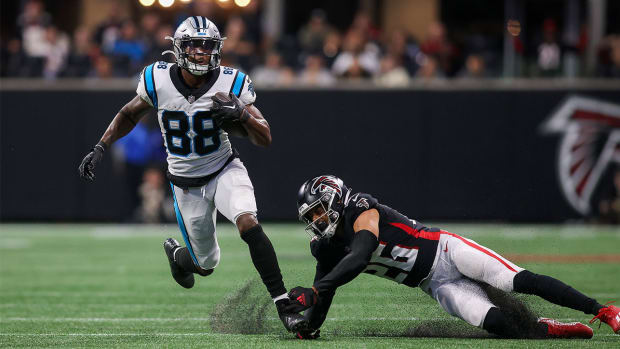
194, 32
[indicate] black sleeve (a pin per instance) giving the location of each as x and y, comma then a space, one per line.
363, 244
316, 315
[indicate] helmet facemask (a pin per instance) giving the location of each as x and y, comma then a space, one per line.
324, 226
183, 48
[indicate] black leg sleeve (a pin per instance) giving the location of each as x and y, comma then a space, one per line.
499, 323
264, 259
554, 291
496, 323
184, 260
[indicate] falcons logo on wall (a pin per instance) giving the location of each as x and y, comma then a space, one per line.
590, 144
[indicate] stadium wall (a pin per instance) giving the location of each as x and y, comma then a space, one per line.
434, 154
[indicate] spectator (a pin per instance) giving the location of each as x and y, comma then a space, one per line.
474, 67
103, 68
314, 73
401, 47
429, 69
363, 24
239, 50
109, 30
548, 53
312, 35
33, 22
272, 73
609, 66
609, 206
331, 47
161, 44
14, 59
149, 27
152, 193
357, 60
56, 46
79, 61
614, 70
128, 50
437, 45
392, 73
136, 151
251, 18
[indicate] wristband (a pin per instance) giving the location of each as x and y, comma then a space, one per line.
102, 146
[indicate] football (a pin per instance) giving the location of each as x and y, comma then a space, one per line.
233, 128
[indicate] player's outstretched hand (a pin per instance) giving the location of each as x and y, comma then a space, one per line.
228, 108
90, 161
302, 298
310, 334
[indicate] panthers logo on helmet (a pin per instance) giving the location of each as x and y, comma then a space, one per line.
324, 182
590, 143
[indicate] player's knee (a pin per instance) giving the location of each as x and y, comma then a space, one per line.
246, 222
505, 281
526, 282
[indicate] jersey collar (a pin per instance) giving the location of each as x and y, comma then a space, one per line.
186, 91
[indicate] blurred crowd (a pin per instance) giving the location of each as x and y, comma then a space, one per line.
317, 55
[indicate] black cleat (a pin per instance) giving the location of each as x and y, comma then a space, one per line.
182, 277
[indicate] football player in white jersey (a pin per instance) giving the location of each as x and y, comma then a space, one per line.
204, 170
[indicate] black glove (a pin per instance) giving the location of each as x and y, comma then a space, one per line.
90, 161
302, 298
293, 322
228, 109
310, 334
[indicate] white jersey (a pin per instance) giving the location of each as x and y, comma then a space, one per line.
196, 147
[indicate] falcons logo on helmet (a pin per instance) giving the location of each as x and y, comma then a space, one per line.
324, 182
589, 145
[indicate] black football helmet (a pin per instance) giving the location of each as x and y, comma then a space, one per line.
327, 192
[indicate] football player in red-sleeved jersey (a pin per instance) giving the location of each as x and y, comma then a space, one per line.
354, 233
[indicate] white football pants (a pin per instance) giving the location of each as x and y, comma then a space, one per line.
230, 192
459, 260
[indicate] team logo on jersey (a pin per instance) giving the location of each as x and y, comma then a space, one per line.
323, 183
363, 203
590, 144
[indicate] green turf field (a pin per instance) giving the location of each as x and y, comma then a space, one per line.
110, 286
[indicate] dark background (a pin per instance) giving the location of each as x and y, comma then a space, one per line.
440, 155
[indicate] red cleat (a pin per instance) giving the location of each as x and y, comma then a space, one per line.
609, 315
556, 329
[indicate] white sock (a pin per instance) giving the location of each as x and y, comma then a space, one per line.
282, 296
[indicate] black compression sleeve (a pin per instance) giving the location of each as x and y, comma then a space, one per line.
364, 243
316, 314
554, 291
264, 259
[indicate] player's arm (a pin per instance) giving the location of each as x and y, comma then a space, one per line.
257, 127
124, 121
230, 108
317, 314
364, 243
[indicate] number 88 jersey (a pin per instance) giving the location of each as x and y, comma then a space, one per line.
196, 146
